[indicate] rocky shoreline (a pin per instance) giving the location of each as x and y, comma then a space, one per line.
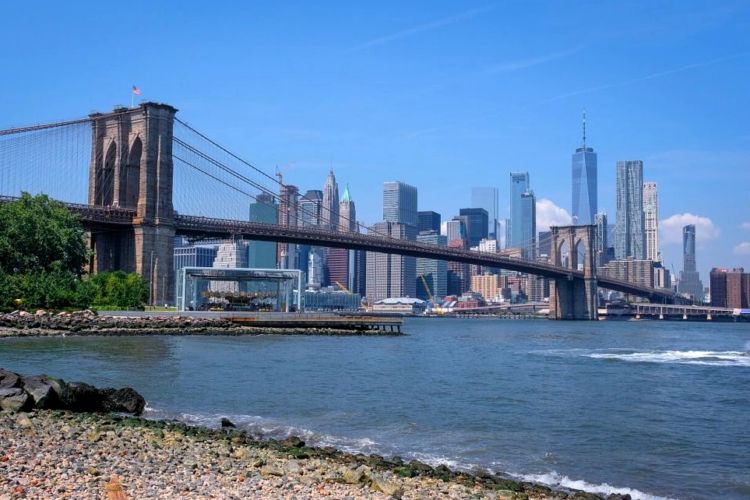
55, 450
86, 323
61, 454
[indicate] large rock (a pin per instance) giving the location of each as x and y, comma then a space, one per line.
41, 391
44, 392
83, 397
123, 400
13, 399
9, 379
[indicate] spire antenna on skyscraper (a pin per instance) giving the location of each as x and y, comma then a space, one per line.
584, 129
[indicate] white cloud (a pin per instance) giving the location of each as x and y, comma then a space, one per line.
745, 225
548, 214
671, 228
743, 248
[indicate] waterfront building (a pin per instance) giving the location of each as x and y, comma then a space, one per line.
630, 239
400, 203
390, 275
730, 288
432, 275
584, 170
428, 221
487, 285
651, 220
638, 271
690, 282
330, 299
488, 199
262, 254
400, 305
476, 224
230, 255
194, 256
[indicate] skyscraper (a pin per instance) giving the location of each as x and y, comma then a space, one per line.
340, 260
310, 215
476, 224
432, 275
601, 243
690, 282
522, 224
428, 221
390, 275
528, 224
400, 203
630, 240
584, 182
330, 212
288, 215
487, 198
651, 220
262, 254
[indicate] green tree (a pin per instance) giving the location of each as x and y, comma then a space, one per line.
42, 257
40, 234
117, 289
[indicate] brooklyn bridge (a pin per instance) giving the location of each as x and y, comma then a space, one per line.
124, 173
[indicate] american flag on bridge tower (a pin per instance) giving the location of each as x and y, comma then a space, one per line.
136, 90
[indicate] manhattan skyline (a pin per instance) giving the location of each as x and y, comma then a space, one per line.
431, 96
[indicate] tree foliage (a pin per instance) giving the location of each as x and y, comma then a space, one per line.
42, 256
40, 234
119, 290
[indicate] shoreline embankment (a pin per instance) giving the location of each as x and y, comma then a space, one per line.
86, 323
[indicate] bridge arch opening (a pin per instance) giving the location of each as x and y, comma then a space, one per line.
130, 176
563, 254
105, 177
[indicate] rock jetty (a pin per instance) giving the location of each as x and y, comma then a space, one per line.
82, 323
41, 392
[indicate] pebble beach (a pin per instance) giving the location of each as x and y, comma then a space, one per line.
59, 454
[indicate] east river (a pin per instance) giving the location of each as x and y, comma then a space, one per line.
654, 409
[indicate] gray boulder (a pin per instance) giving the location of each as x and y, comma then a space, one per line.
41, 391
123, 400
13, 399
9, 379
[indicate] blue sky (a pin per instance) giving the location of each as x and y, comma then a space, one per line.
443, 95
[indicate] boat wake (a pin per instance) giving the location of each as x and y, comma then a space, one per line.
556, 480
708, 358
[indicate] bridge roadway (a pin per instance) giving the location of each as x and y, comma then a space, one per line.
99, 218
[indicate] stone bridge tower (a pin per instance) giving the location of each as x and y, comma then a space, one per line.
573, 298
131, 167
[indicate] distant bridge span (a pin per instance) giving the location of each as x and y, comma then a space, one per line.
102, 218
131, 217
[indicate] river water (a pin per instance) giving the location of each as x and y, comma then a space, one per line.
654, 409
